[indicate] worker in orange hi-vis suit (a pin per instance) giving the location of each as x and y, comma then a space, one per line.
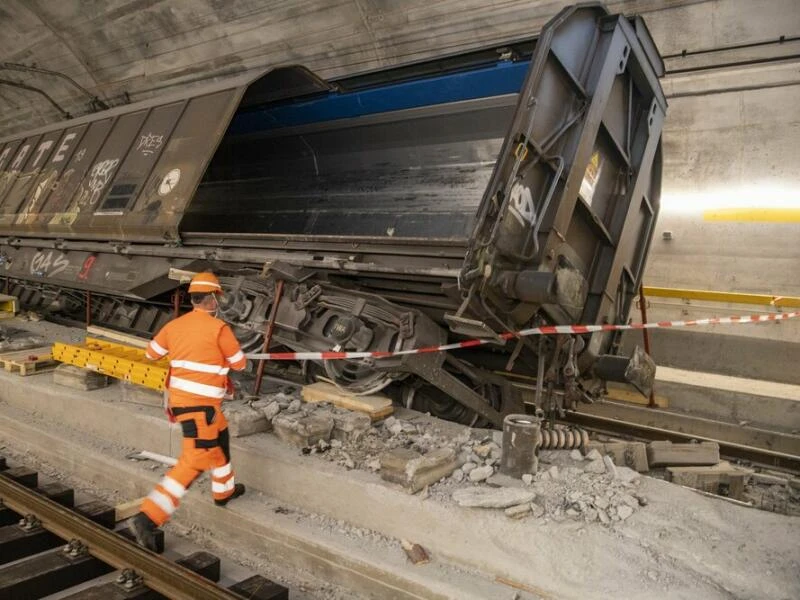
201, 349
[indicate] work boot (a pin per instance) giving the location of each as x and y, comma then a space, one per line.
144, 530
238, 490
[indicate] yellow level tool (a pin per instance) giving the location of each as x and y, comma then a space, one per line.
115, 360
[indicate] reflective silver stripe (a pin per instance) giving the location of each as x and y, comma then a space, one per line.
236, 357
173, 487
162, 501
201, 389
221, 488
199, 367
213, 286
222, 471
157, 349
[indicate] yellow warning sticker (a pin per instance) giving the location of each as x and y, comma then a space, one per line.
591, 177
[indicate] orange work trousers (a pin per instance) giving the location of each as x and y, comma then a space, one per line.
206, 446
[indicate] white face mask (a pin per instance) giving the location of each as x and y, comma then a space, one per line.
214, 312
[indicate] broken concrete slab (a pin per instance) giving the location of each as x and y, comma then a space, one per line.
629, 454
483, 497
271, 410
519, 511
303, 431
624, 512
413, 470
244, 419
666, 453
350, 426
78, 378
596, 466
611, 468
503, 480
722, 479
626, 475
593, 454
481, 473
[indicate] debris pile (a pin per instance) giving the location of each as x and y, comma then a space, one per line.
453, 463
14, 338
568, 486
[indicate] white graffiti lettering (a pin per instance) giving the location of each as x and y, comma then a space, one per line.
99, 177
17, 164
43, 147
45, 264
149, 143
521, 204
4, 156
44, 184
80, 154
62, 149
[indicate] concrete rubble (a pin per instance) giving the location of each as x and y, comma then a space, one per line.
13, 339
691, 454
415, 471
301, 430
628, 454
246, 418
452, 463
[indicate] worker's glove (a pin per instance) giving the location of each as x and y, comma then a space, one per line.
230, 389
167, 411
165, 404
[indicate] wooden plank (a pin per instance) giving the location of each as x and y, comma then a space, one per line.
377, 406
17, 355
117, 336
127, 509
29, 362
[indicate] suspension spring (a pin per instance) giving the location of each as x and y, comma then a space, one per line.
564, 438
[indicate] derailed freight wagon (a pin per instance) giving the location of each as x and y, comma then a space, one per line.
457, 198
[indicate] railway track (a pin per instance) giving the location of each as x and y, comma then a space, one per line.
48, 545
764, 457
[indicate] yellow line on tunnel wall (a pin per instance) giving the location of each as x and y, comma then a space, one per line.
764, 215
727, 297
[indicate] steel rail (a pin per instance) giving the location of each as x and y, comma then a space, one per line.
616, 427
160, 575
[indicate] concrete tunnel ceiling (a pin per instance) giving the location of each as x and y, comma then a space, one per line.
120, 49
730, 136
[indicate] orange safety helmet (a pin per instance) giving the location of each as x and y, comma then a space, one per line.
205, 283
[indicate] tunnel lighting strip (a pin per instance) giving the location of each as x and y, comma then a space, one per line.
509, 335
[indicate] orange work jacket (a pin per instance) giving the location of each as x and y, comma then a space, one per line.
202, 349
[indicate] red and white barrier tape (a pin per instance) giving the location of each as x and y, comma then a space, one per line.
546, 330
